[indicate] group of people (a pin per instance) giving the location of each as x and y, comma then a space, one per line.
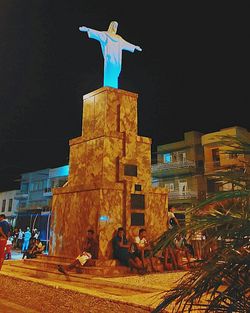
137, 255
21, 239
35, 247
138, 252
28, 241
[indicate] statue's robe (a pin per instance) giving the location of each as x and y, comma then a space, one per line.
112, 46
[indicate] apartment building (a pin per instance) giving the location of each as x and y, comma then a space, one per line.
180, 168
9, 205
217, 160
35, 197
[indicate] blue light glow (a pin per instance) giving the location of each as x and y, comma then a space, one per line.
104, 218
59, 171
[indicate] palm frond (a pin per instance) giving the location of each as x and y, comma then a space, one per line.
220, 283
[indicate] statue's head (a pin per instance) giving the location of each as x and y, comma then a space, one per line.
113, 27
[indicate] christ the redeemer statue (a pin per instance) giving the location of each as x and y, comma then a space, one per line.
112, 46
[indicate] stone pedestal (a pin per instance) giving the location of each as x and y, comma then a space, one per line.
109, 183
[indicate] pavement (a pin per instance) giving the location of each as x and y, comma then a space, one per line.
77, 293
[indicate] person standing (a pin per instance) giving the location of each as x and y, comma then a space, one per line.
26, 239
172, 220
15, 237
4, 235
20, 238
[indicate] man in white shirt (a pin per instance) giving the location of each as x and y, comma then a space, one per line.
144, 250
172, 220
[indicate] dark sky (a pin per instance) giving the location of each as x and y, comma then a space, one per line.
193, 72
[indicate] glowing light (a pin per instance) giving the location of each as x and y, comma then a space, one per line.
104, 218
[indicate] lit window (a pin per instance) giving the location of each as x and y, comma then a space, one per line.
167, 158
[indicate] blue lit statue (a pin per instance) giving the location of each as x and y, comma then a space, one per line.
112, 46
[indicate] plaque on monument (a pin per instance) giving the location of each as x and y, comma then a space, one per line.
137, 201
130, 170
137, 219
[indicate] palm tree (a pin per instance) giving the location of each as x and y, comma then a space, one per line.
221, 282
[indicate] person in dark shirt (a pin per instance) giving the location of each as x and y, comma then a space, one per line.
122, 252
4, 234
91, 244
90, 251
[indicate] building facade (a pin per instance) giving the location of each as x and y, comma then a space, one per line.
35, 196
9, 205
180, 168
218, 161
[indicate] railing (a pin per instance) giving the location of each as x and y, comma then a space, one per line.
21, 195
182, 194
172, 165
219, 166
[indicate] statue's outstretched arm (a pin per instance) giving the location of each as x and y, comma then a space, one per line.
129, 46
94, 34
138, 48
83, 28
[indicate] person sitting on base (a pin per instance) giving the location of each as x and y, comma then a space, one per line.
38, 249
144, 250
90, 251
121, 249
27, 253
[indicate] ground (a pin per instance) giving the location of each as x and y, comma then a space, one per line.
21, 292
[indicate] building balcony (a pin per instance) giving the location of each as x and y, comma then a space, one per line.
215, 167
177, 195
21, 195
172, 168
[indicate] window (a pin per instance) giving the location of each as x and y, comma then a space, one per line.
130, 170
137, 219
183, 187
170, 186
10, 205
137, 201
182, 157
24, 187
3, 205
40, 185
31, 186
36, 186
167, 158
216, 155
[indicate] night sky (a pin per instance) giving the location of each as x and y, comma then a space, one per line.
193, 73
